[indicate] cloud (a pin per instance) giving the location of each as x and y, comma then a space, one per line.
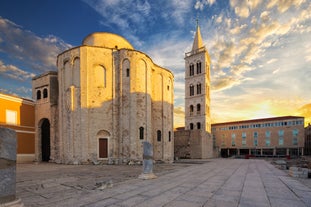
12, 72
38, 53
136, 18
199, 4
284, 5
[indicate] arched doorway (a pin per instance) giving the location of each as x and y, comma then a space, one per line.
103, 147
45, 140
103, 144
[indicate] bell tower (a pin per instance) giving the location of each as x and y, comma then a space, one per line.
197, 86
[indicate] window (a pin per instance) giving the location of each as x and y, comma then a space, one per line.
191, 68
45, 93
268, 135
295, 137
191, 126
141, 132
199, 88
11, 117
198, 108
199, 67
38, 94
243, 138
232, 140
169, 136
127, 72
159, 136
255, 138
295, 141
191, 90
281, 137
198, 125
191, 110
281, 140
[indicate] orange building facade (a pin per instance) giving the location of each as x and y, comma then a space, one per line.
278, 136
19, 114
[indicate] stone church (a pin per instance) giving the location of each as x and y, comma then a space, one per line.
105, 99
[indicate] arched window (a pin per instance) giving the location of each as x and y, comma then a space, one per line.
199, 67
191, 126
169, 136
141, 132
159, 136
38, 94
191, 69
45, 93
198, 125
127, 72
191, 90
198, 108
191, 110
199, 88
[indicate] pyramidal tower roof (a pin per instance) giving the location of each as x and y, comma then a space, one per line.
197, 42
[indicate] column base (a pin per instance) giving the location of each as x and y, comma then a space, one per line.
148, 176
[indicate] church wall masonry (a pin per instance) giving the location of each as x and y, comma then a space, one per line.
111, 98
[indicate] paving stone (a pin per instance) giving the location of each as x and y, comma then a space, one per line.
219, 182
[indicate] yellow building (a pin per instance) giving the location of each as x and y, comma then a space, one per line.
277, 136
18, 114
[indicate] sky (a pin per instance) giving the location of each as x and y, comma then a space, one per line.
260, 49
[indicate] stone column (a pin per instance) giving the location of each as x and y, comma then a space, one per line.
147, 162
8, 168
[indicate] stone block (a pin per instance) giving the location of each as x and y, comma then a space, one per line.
7, 165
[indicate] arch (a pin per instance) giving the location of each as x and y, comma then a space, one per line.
191, 109
126, 69
45, 93
103, 143
199, 88
169, 136
198, 108
100, 79
76, 71
159, 135
191, 90
199, 67
198, 125
38, 94
45, 140
191, 69
141, 132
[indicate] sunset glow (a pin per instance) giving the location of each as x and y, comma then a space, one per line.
260, 50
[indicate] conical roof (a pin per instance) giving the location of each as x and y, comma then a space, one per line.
197, 42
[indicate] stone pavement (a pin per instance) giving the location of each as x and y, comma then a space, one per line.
219, 182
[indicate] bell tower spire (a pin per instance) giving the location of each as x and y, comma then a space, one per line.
197, 42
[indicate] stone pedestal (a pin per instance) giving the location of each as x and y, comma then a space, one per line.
147, 162
8, 168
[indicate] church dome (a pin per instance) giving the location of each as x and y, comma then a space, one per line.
108, 40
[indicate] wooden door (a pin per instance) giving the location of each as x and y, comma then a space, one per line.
103, 148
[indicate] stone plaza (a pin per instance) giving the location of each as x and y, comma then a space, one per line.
211, 182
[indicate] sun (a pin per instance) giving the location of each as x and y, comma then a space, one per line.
262, 110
